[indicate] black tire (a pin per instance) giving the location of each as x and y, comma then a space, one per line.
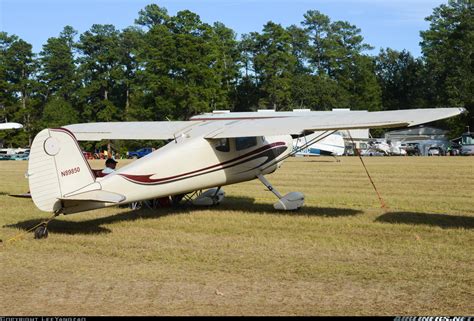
41, 232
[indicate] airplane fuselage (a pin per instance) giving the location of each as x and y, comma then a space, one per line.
189, 164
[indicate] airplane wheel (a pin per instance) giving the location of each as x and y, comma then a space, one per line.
41, 232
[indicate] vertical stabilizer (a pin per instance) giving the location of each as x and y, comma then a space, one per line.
56, 168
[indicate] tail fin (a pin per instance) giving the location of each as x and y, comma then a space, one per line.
56, 168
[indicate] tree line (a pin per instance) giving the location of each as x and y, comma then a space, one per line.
168, 67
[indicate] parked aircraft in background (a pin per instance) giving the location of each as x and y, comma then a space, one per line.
333, 145
10, 126
14, 153
204, 153
384, 148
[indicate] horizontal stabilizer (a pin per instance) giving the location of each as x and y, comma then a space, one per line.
24, 195
96, 196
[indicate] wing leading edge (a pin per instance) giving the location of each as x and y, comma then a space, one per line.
149, 130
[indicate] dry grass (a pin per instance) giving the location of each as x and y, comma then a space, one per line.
340, 255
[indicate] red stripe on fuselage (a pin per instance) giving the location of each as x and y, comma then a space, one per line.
146, 178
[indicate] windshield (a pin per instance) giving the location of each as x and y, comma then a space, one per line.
467, 139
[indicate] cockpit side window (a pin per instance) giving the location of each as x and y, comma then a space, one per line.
245, 142
223, 145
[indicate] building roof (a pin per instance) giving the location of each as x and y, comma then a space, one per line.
417, 131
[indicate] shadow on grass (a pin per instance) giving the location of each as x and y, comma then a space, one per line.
239, 204
247, 204
440, 220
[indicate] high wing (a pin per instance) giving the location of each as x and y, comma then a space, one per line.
259, 126
149, 130
331, 121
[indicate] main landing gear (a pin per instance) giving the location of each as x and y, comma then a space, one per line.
290, 202
213, 196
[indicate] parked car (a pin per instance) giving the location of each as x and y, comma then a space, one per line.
412, 149
139, 153
467, 141
371, 152
20, 156
435, 151
15, 154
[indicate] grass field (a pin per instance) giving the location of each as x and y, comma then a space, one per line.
339, 255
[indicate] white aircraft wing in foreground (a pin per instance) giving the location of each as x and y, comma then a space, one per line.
203, 153
259, 125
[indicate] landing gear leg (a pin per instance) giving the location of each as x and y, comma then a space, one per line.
290, 202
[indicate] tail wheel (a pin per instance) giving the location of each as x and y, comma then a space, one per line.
41, 232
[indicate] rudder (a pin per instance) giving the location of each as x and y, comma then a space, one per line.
56, 168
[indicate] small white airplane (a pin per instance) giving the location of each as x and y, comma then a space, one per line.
10, 126
209, 151
333, 145
377, 147
391, 148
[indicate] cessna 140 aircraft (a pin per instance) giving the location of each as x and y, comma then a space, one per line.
208, 151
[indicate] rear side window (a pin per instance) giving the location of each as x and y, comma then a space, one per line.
245, 142
223, 145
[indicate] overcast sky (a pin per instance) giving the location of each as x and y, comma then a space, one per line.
384, 23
